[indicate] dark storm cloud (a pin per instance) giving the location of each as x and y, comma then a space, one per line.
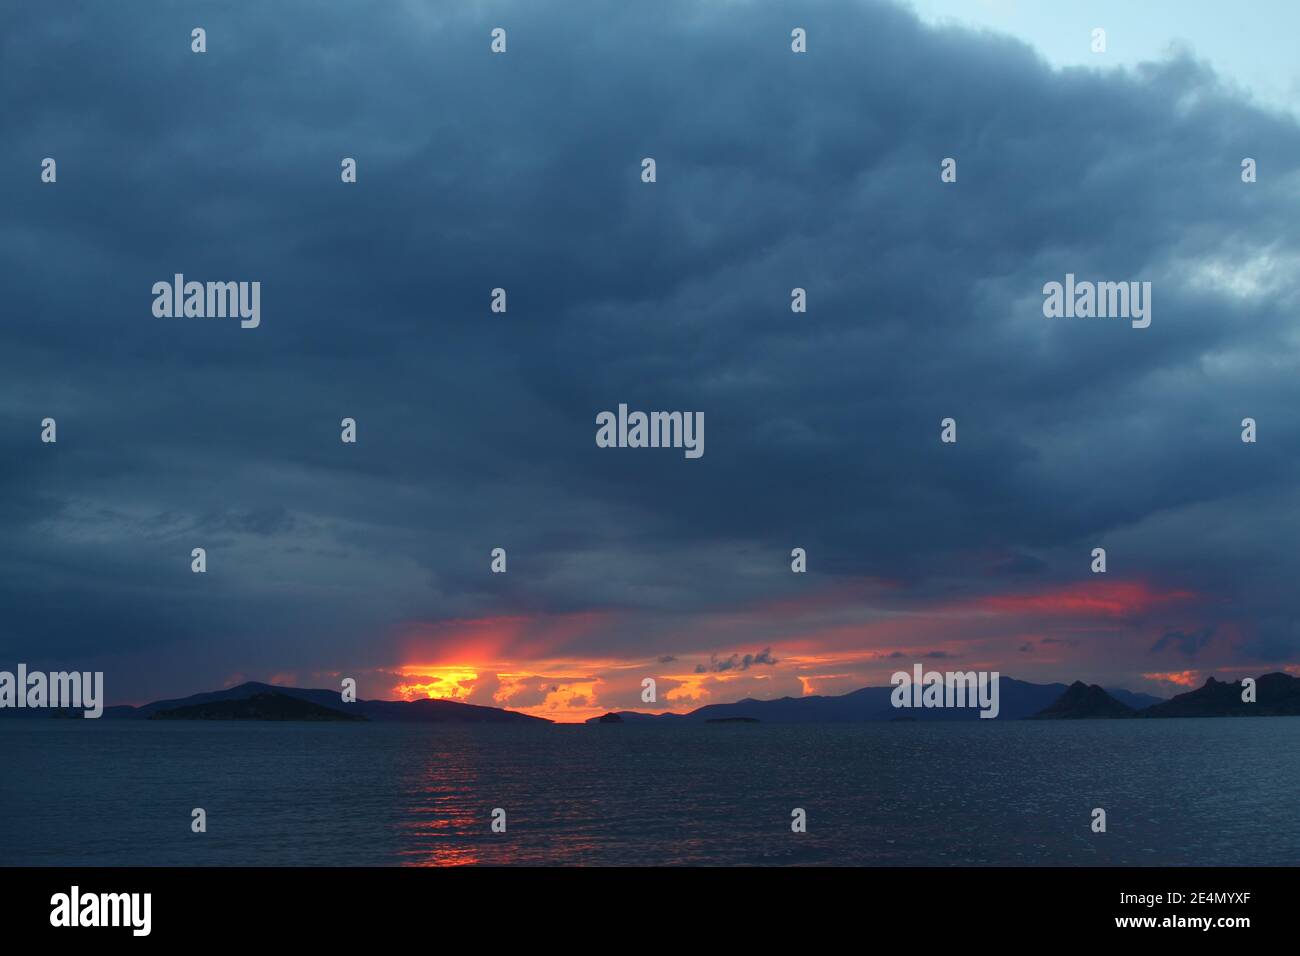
477, 430
1188, 645
736, 662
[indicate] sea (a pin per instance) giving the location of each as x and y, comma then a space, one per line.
1217, 792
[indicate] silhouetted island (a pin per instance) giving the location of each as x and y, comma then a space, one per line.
265, 706
1276, 695
240, 700
1084, 702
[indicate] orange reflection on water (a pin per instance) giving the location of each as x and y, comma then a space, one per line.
443, 841
458, 775
442, 828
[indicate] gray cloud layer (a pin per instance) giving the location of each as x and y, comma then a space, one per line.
476, 430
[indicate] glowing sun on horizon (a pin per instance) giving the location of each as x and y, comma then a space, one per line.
437, 683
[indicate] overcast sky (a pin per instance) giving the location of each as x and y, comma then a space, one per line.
476, 430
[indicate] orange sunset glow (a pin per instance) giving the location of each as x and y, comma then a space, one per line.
1187, 679
828, 641
440, 683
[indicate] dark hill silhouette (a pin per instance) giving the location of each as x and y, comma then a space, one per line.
1276, 695
1082, 702
415, 711
261, 706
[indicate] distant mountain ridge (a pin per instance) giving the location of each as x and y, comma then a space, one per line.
1016, 699
1278, 694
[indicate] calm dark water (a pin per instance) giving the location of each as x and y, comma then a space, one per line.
1210, 792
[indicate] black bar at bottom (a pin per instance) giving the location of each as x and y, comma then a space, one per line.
564, 907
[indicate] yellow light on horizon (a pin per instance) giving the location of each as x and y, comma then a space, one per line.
440, 683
